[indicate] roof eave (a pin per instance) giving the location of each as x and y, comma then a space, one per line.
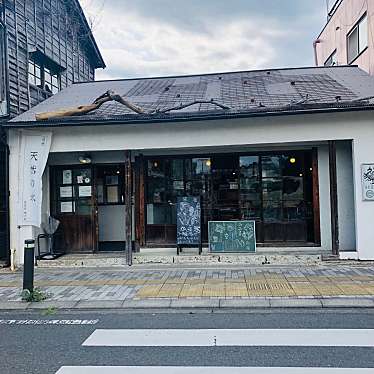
192, 118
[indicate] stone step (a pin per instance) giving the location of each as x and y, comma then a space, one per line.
110, 260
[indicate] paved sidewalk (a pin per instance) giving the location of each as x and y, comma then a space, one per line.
325, 285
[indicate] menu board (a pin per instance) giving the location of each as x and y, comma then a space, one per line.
232, 236
188, 220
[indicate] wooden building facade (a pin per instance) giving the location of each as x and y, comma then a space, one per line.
45, 46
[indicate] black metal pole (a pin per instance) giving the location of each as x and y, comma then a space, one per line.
28, 265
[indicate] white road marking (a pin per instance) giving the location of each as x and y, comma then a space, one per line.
206, 370
48, 322
236, 337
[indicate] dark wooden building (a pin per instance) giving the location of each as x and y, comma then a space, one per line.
45, 46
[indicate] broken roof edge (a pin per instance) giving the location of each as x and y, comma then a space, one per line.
189, 117
217, 73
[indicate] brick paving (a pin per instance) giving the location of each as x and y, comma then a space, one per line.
195, 283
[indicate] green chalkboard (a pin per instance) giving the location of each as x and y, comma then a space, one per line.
232, 236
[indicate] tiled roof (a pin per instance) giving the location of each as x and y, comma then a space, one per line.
264, 91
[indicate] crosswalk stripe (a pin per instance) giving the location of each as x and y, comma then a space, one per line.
228, 337
206, 370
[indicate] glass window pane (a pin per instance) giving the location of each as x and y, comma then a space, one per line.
47, 77
82, 176
55, 81
156, 168
293, 165
31, 67
294, 210
293, 188
38, 71
249, 166
271, 166
353, 45
176, 169
84, 206
201, 166
160, 214
156, 190
112, 195
272, 189
363, 34
272, 211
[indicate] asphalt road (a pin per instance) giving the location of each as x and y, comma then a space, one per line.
34, 342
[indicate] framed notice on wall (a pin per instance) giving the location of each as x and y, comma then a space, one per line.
367, 181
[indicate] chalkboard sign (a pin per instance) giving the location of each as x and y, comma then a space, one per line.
232, 236
188, 221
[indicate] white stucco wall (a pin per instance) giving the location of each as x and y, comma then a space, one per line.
285, 131
345, 187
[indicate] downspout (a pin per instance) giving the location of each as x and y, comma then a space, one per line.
317, 41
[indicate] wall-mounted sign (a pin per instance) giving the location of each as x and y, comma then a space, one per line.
66, 191
67, 177
34, 154
232, 236
85, 191
367, 181
66, 207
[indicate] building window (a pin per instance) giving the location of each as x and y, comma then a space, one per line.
357, 39
35, 73
43, 76
3, 80
332, 60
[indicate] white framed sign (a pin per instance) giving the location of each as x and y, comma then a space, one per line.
367, 181
66, 206
66, 191
85, 191
67, 177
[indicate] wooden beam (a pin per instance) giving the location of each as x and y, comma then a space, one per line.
333, 198
139, 202
315, 187
128, 207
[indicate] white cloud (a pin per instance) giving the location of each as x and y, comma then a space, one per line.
134, 45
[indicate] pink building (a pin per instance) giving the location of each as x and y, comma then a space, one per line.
347, 37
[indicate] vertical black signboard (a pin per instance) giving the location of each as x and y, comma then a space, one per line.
188, 222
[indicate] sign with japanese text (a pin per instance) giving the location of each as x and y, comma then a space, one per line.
232, 236
188, 220
367, 181
34, 152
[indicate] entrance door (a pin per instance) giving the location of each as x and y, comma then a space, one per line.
275, 190
73, 204
110, 192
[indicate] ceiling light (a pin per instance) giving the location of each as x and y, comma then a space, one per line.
85, 159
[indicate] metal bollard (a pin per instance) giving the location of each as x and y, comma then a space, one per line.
28, 265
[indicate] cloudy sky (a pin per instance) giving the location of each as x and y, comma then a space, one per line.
141, 38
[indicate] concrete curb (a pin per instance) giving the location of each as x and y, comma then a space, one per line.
183, 304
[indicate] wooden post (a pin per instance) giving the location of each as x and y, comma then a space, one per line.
316, 208
333, 198
139, 202
128, 207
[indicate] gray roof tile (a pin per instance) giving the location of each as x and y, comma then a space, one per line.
246, 91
